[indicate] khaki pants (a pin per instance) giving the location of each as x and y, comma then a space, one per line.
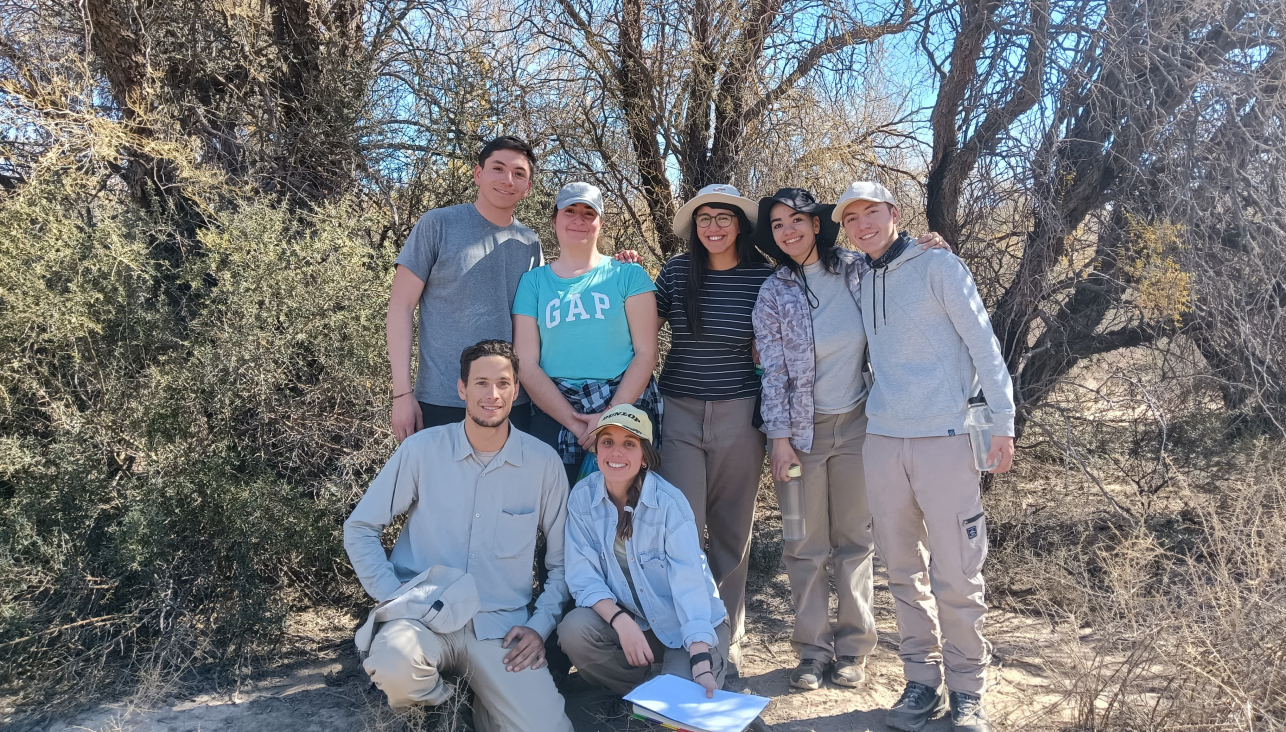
595, 650
406, 658
837, 525
715, 457
933, 537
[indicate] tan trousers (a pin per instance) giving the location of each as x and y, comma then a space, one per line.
715, 457
932, 535
837, 525
595, 650
406, 658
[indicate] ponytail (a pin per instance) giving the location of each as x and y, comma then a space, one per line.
651, 461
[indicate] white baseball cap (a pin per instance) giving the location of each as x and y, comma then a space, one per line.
862, 190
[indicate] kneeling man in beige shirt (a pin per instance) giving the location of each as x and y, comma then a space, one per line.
474, 494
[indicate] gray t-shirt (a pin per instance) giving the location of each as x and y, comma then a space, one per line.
837, 343
470, 268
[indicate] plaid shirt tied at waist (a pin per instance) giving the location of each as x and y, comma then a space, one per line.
592, 396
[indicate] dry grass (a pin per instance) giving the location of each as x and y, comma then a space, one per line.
1175, 623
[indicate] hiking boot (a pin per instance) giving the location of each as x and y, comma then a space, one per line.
919, 704
849, 671
808, 674
967, 714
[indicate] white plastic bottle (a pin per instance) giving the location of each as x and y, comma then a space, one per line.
792, 505
978, 423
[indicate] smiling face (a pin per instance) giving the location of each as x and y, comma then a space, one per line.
577, 224
620, 454
871, 226
503, 179
795, 232
490, 391
720, 231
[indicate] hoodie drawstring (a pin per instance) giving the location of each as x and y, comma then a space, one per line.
892, 253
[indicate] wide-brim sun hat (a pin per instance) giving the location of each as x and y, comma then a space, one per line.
579, 192
629, 418
862, 190
717, 193
802, 200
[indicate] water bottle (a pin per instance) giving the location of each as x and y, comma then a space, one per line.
792, 505
978, 423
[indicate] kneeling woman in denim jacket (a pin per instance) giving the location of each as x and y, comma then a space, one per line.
634, 566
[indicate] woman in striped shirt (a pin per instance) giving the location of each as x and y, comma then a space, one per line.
713, 453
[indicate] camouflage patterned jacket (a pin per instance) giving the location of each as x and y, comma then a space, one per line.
784, 335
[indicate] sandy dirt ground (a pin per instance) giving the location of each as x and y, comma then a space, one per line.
325, 690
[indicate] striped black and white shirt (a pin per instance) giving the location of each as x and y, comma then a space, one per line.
717, 366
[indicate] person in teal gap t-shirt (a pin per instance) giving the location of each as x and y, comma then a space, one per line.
585, 330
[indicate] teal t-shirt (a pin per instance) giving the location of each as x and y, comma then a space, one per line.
584, 333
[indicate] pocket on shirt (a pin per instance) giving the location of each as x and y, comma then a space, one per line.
655, 568
515, 531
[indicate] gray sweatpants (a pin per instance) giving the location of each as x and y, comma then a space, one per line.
932, 534
715, 457
838, 528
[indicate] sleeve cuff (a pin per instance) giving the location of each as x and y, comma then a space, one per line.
1004, 425
699, 631
774, 433
542, 623
592, 597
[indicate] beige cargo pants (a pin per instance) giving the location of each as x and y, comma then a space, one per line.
406, 658
837, 526
931, 532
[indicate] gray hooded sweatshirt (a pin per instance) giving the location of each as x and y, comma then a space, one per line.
929, 336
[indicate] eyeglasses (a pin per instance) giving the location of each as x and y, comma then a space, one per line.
703, 221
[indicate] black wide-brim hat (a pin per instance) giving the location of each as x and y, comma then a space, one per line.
801, 200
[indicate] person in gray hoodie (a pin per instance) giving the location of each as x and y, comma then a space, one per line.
931, 349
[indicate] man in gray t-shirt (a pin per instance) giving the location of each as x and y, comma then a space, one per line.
461, 266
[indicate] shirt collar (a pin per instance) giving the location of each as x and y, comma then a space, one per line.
510, 453
648, 497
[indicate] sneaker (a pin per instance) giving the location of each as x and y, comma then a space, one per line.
808, 674
849, 671
919, 704
967, 713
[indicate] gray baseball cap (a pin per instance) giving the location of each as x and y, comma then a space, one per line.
580, 192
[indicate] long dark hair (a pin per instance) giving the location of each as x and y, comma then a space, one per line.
827, 253
699, 261
651, 461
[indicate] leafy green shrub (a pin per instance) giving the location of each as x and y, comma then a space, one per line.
179, 440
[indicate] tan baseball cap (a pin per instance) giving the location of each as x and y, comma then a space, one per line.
862, 190
629, 418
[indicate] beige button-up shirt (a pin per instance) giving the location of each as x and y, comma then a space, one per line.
460, 514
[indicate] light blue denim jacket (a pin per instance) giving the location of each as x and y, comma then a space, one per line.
680, 602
